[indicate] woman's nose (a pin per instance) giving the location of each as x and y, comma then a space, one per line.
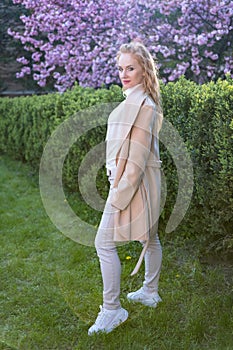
124, 73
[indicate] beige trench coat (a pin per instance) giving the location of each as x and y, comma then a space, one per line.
132, 142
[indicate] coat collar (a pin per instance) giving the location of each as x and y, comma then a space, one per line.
132, 94
130, 90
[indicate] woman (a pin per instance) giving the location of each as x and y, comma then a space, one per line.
133, 167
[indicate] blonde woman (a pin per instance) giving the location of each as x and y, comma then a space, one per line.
133, 167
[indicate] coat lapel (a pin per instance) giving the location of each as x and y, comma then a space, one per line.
121, 121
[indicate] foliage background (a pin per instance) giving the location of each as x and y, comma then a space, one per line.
77, 41
202, 114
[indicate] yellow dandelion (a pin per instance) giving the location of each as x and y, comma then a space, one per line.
128, 257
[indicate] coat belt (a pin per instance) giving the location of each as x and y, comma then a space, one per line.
150, 163
154, 163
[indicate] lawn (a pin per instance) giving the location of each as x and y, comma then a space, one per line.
51, 286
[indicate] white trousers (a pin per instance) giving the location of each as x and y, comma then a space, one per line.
110, 263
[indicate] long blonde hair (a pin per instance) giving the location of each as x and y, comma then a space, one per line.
150, 70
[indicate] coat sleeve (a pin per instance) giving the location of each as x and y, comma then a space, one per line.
139, 151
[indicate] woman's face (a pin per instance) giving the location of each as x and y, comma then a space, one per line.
130, 71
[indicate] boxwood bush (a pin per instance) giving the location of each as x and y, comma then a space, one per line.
203, 116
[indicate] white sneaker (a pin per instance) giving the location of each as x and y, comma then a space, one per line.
107, 320
144, 298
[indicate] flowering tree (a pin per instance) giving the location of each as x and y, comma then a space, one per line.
77, 40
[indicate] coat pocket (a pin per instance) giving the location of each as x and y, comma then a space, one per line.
133, 223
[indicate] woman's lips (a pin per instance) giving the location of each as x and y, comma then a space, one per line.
126, 81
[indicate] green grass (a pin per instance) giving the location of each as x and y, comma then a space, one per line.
51, 286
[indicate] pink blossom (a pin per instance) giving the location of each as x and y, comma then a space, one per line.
81, 38
202, 39
36, 56
22, 60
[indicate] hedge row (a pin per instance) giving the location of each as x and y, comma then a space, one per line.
203, 116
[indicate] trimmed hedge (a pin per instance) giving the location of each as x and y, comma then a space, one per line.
203, 116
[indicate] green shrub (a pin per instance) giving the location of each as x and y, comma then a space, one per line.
203, 116
213, 159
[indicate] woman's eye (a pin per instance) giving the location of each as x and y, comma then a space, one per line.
128, 69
